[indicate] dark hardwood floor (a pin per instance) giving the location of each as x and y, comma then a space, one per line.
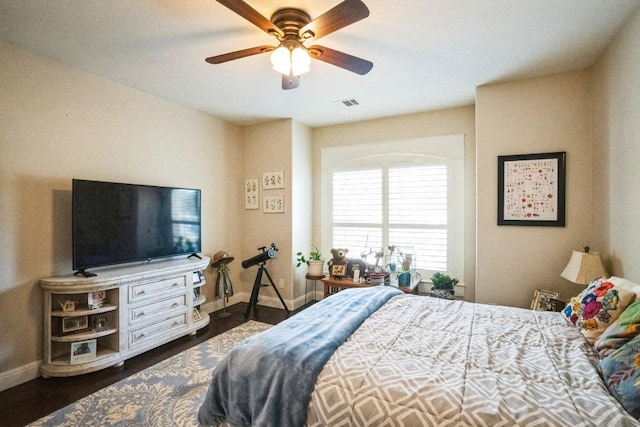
30, 401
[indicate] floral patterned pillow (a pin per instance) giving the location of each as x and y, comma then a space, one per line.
597, 307
620, 332
621, 374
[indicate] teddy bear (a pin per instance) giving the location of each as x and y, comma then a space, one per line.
339, 259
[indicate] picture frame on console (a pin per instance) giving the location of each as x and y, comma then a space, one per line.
83, 351
72, 324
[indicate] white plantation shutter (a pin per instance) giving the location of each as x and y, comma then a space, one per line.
418, 213
385, 198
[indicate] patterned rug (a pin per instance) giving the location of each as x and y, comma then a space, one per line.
166, 394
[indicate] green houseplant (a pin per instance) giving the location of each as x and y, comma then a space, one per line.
314, 261
442, 285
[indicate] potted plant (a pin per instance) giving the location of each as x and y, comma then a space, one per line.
314, 262
442, 286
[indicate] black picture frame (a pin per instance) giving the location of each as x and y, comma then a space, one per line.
531, 189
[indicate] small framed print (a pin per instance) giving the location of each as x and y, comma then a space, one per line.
196, 315
531, 189
72, 324
83, 351
544, 300
271, 180
273, 204
338, 271
251, 194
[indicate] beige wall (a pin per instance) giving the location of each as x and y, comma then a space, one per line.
59, 123
531, 116
267, 148
444, 122
301, 206
616, 138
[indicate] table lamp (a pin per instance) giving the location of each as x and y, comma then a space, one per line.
584, 267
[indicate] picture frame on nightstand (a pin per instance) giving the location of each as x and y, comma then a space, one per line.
544, 300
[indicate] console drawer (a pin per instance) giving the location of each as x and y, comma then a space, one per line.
146, 312
138, 336
146, 290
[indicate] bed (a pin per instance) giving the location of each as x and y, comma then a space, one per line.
406, 360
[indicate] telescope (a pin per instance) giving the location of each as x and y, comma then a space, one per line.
262, 257
261, 260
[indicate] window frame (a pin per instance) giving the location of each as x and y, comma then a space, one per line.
447, 150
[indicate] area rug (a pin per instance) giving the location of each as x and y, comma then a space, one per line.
166, 394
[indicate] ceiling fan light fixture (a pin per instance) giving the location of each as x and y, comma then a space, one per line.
300, 61
287, 61
281, 60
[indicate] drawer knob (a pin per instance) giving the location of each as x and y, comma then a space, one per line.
142, 292
140, 314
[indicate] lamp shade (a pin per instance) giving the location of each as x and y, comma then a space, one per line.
584, 267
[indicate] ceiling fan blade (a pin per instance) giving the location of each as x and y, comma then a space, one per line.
290, 82
346, 13
341, 59
219, 59
253, 16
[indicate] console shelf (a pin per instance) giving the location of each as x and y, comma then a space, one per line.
80, 312
91, 323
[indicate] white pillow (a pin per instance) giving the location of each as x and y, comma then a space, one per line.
619, 282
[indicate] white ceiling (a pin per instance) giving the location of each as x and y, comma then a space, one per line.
427, 54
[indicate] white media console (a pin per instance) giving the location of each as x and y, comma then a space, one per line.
91, 323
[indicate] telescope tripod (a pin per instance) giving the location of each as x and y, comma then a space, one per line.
256, 290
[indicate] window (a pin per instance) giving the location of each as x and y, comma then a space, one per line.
408, 194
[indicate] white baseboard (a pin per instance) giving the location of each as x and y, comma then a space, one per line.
266, 301
19, 375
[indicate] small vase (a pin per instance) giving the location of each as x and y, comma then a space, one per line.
404, 279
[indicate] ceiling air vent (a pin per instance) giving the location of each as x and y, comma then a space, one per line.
352, 102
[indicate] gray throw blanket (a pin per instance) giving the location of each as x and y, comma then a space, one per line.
267, 380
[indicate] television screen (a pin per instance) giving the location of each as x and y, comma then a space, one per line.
117, 223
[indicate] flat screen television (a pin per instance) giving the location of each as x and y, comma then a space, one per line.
115, 223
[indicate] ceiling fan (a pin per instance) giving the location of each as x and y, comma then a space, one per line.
293, 27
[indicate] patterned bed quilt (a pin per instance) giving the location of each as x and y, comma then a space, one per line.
421, 361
